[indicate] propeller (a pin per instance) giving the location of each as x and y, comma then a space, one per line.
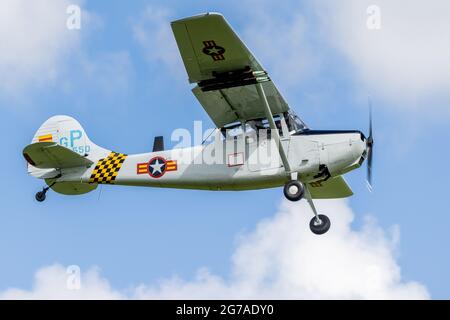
369, 148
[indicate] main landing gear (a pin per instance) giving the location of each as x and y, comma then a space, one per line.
294, 190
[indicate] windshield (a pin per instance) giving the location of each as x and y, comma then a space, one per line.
294, 123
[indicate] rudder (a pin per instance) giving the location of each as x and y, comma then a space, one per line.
67, 132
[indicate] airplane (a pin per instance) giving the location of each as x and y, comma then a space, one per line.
259, 141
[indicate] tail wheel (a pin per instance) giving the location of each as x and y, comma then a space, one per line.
40, 196
294, 190
320, 227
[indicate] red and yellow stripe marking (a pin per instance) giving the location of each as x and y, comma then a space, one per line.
142, 168
171, 165
45, 138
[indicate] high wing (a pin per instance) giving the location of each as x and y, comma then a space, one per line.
224, 69
330, 189
48, 155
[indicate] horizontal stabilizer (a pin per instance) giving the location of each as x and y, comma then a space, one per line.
71, 188
46, 155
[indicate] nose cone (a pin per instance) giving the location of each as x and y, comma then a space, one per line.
359, 148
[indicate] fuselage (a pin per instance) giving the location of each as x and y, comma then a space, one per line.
240, 163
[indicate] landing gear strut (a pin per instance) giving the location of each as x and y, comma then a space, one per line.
320, 223
293, 190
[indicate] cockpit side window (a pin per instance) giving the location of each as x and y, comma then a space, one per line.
262, 124
232, 130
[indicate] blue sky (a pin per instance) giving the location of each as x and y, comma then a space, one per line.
122, 78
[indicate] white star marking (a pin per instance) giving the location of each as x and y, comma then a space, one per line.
157, 166
213, 50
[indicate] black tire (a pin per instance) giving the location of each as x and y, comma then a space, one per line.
40, 196
320, 228
294, 190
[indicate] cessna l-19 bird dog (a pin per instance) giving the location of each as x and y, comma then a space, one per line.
252, 119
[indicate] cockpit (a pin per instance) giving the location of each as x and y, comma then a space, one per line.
287, 123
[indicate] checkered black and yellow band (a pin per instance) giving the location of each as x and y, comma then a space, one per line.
107, 169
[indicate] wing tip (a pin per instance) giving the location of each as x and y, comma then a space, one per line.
198, 16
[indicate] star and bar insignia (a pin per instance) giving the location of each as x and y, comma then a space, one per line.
213, 50
156, 167
316, 184
107, 169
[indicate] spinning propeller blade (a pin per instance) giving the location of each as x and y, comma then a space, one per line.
369, 148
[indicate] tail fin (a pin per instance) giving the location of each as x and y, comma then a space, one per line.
68, 132
59, 143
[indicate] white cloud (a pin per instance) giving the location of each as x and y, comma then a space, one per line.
109, 73
283, 45
406, 61
51, 283
40, 52
35, 41
153, 32
280, 259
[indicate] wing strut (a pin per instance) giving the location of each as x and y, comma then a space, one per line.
275, 134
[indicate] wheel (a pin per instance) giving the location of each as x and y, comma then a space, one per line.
294, 190
321, 228
40, 196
